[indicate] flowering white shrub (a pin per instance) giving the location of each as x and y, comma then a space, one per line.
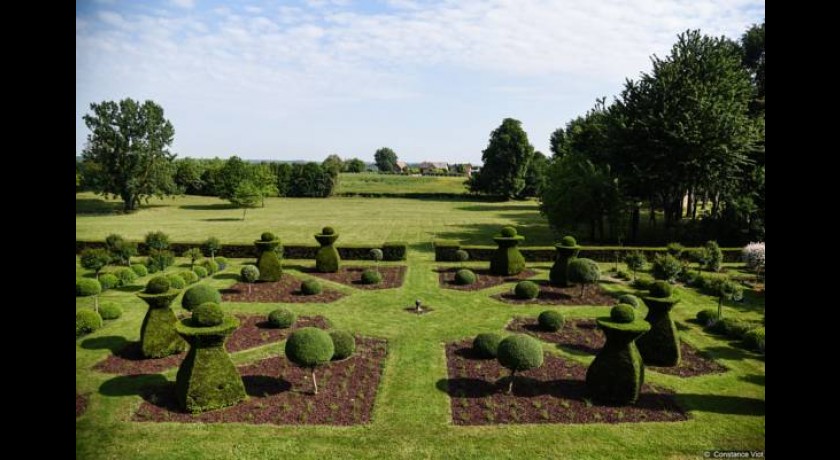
753, 255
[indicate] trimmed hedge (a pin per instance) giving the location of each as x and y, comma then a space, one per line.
311, 287
199, 294
249, 273
391, 250
519, 352
371, 277
309, 347
281, 318
344, 344
566, 251
551, 320
176, 281
200, 272
189, 277
158, 337
464, 276
617, 373
327, 259
269, 263
622, 313
526, 290
661, 345
630, 299
207, 315
108, 281
486, 345
507, 260
87, 321
110, 311
87, 287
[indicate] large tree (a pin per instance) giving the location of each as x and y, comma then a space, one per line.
355, 165
535, 176
333, 164
127, 152
386, 159
506, 161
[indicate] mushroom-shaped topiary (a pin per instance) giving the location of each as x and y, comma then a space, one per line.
87, 321
464, 276
584, 272
617, 373
567, 250
376, 254
507, 260
281, 318
267, 237
631, 300
344, 344
462, 255
327, 259
311, 287
486, 345
199, 294
526, 290
176, 281
158, 337
269, 262
660, 346
551, 321
519, 352
310, 347
249, 274
110, 311
207, 378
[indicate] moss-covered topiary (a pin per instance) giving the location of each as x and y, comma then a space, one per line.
371, 277
507, 260
268, 237
584, 272
311, 287
707, 316
508, 231
754, 339
526, 290
210, 265
198, 295
110, 311
551, 320
660, 289
519, 352
281, 318
87, 287
486, 345
108, 281
327, 259
660, 346
310, 347
207, 315
207, 378
126, 276
622, 313
139, 269
249, 273
176, 281
567, 250
269, 262
87, 321
157, 333
631, 300
158, 285
617, 373
344, 344
465, 276
189, 277
461, 255
200, 272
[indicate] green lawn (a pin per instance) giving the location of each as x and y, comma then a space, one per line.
384, 183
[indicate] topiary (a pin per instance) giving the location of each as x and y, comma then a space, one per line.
568, 241
189, 277
210, 265
583, 271
506, 259
310, 347
200, 272
661, 345
310, 287
371, 277
675, 249
660, 289
635, 261
328, 231
707, 316
222, 262
176, 281
157, 241
208, 314
486, 345
551, 321
249, 273
139, 269
94, 259
87, 321
376, 254
87, 287
158, 337
281, 318
731, 327
108, 281
110, 311
754, 338
199, 294
126, 276
508, 232
666, 267
211, 246
327, 259
344, 344
269, 258
631, 300
464, 276
526, 290
461, 255
617, 373
715, 256
158, 285
519, 352
622, 313
267, 236
159, 260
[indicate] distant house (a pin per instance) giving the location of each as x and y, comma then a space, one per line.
462, 168
401, 166
432, 166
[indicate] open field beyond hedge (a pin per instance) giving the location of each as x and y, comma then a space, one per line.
384, 183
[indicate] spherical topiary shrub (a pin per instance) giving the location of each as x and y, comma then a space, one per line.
461, 255
200, 271
269, 258
584, 272
660, 289
200, 294
567, 250
617, 373
249, 273
631, 300
622, 313
310, 347
344, 344
327, 259
110, 311
267, 236
666, 267
328, 231
176, 281
486, 345
139, 269
507, 260
158, 285
508, 232
158, 337
87, 287
754, 339
526, 290
281, 318
464, 276
207, 315
209, 265
222, 262
87, 321
126, 276
519, 352
371, 277
376, 254
707, 316
568, 241
661, 345
189, 277
108, 281
551, 321
311, 287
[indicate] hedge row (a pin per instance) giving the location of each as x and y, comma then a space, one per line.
391, 250
445, 252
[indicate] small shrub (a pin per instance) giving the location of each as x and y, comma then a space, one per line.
731, 327
715, 256
199, 294
193, 254
108, 281
707, 316
508, 232
268, 236
666, 267
461, 255
622, 313
630, 299
675, 249
551, 320
211, 246
464, 276
642, 283
157, 241
110, 311
344, 344
139, 269
486, 345
158, 285
200, 272
622, 275
87, 321
753, 255
310, 347
371, 277
189, 277
754, 339
660, 289
376, 254
87, 287
121, 250
222, 262
311, 287
249, 273
159, 260
209, 265
519, 352
526, 290
281, 318
328, 231
568, 241
635, 261
126, 276
176, 281
208, 314
94, 259
583, 271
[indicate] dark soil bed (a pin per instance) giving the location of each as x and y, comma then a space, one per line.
281, 393
484, 279
392, 276
553, 295
553, 393
583, 335
81, 404
253, 332
287, 290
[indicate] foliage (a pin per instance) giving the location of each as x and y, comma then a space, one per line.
376, 254
176, 281
464, 276
311, 287
139, 269
108, 281
246, 195
486, 345
200, 272
519, 352
310, 347
210, 265
355, 165
110, 311
121, 250
87, 321
386, 159
583, 271
281, 318
726, 289
675, 249
157, 241
506, 161
707, 316
211, 246
461, 255
660, 289
666, 267
199, 294
635, 261
753, 255
249, 273
344, 344
189, 277
159, 260
535, 176
616, 374
508, 232
86, 287
568, 241
630, 299
754, 339
126, 276
158, 285
193, 254
551, 320
371, 277
526, 290
623, 313
715, 256
208, 314
94, 259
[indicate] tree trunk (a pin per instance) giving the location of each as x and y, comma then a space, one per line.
314, 382
510, 385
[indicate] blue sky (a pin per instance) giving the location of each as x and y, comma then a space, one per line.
430, 79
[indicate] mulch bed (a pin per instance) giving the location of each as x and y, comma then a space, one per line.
81, 404
554, 295
553, 393
253, 332
484, 279
583, 335
281, 393
287, 290
392, 276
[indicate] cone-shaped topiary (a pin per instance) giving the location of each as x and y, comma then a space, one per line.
311, 287
519, 352
281, 318
199, 294
526, 290
464, 276
660, 346
344, 344
567, 249
371, 277
631, 300
327, 259
207, 378
507, 260
584, 272
87, 287
87, 321
486, 345
157, 334
310, 347
551, 321
269, 262
110, 311
617, 373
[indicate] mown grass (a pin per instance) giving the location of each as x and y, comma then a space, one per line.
384, 183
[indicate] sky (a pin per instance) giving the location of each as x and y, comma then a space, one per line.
290, 80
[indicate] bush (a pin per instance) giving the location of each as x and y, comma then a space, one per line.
715, 256
211, 246
464, 276
635, 261
108, 281
209, 265
461, 255
159, 260
309, 347
622, 313
268, 236
281, 318
126, 276
139, 269
157, 241
87, 287
189, 277
199, 294
630, 299
87, 321
371, 277
394, 250
121, 250
519, 352
551, 320
200, 272
328, 231
310, 287
193, 254
486, 345
344, 344
222, 263
666, 267
583, 271
158, 285
675, 249
376, 254
568, 241
753, 255
660, 289
508, 232
526, 290
754, 339
731, 327
176, 281
249, 273
622, 275
94, 259
707, 316
110, 311
208, 314
642, 283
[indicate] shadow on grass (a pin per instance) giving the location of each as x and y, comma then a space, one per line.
131, 288
264, 386
755, 379
112, 343
208, 207
223, 219
733, 405
226, 276
466, 388
533, 207
731, 352
132, 385
531, 225
97, 206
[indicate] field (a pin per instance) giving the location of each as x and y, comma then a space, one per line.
381, 183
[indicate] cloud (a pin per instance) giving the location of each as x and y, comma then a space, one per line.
184, 3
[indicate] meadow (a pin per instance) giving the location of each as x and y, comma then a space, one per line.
395, 184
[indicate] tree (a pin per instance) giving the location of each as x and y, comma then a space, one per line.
558, 147
355, 165
726, 288
188, 173
535, 176
635, 261
193, 254
333, 164
233, 173
506, 161
386, 159
246, 195
211, 246
264, 180
127, 152
95, 259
